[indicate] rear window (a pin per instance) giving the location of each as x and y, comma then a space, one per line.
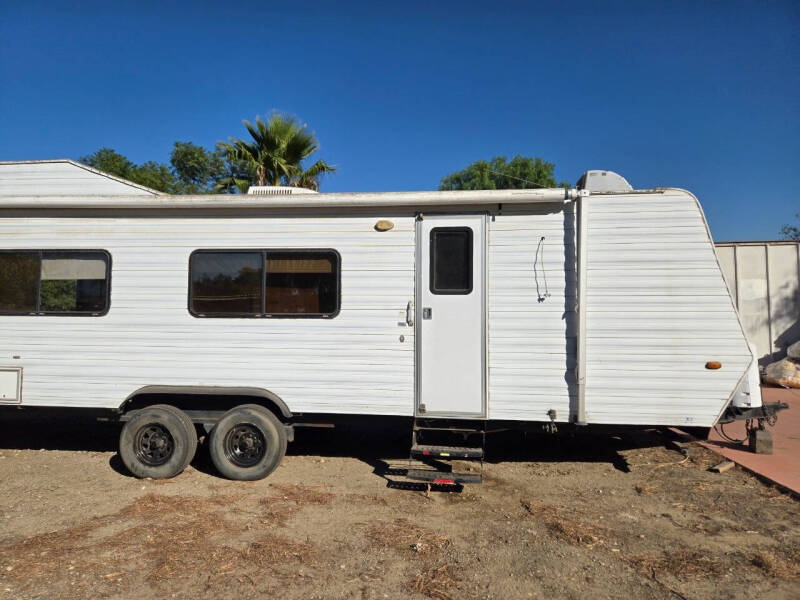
54, 282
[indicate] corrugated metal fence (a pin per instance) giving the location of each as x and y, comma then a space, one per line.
764, 280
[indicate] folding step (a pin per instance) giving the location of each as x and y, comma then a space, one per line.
446, 451
443, 477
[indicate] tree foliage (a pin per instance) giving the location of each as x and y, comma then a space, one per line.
151, 174
196, 170
192, 170
791, 232
274, 155
500, 173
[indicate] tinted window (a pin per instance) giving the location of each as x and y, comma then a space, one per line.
451, 260
264, 283
19, 276
73, 282
54, 282
302, 283
227, 283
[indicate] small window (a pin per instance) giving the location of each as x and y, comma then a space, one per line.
451, 260
264, 283
54, 282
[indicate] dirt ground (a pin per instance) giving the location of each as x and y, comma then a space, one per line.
574, 516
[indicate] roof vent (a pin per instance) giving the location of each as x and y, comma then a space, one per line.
603, 181
277, 190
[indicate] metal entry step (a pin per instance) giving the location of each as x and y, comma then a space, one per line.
446, 451
443, 477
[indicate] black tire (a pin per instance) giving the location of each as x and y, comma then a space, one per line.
190, 429
247, 443
158, 442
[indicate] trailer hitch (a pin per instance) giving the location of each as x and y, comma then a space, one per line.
758, 438
766, 412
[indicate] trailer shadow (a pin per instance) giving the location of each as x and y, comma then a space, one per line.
379, 444
56, 429
386, 448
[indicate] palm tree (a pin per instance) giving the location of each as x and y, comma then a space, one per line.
274, 156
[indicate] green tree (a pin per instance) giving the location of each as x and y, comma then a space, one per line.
110, 161
500, 173
154, 175
151, 174
196, 170
274, 156
791, 232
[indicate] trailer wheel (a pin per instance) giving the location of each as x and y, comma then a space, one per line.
158, 442
247, 443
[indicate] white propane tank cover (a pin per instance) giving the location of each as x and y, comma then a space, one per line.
603, 181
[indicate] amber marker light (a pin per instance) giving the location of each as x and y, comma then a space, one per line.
713, 365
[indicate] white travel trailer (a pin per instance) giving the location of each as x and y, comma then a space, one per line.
254, 314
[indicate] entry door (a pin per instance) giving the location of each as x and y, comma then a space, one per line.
450, 315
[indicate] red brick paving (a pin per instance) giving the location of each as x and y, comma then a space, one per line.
783, 465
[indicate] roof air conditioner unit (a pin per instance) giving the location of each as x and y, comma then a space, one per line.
277, 190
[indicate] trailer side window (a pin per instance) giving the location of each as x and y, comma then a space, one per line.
264, 283
227, 283
54, 282
302, 283
19, 277
451, 260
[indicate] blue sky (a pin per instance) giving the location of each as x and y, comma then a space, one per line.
700, 95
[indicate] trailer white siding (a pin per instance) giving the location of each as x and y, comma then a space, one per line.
658, 310
63, 177
353, 363
532, 335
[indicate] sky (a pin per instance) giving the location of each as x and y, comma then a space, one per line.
698, 95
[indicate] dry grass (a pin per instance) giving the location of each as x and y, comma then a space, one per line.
278, 509
682, 564
564, 525
302, 495
272, 550
435, 582
403, 535
646, 488
782, 563
368, 498
173, 538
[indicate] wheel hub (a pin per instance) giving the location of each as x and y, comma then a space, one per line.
245, 445
153, 444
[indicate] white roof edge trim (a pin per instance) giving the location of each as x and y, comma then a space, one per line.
299, 200
85, 167
316, 200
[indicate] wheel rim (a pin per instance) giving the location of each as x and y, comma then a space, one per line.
154, 444
245, 445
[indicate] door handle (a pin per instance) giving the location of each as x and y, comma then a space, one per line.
410, 313
427, 313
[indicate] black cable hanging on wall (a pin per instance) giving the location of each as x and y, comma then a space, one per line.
540, 248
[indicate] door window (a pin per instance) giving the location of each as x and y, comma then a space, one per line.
451, 260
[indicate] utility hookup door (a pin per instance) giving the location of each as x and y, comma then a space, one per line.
451, 316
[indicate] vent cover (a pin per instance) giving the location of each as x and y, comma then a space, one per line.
277, 190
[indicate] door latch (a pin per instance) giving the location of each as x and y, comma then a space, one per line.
427, 313
410, 313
